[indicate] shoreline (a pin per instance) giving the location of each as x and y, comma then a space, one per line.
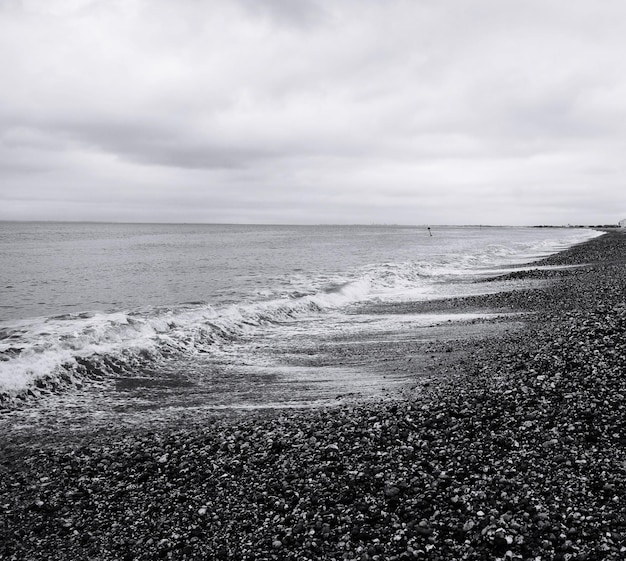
515, 452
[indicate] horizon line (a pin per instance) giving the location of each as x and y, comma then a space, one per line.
270, 224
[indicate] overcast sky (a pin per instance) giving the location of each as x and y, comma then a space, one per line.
313, 111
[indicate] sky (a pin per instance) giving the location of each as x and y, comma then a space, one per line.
313, 111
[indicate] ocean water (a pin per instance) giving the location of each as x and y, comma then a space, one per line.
210, 314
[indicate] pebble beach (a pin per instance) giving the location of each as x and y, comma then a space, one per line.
516, 451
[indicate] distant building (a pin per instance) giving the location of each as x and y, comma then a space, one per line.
622, 223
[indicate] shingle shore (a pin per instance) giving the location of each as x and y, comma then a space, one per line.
520, 455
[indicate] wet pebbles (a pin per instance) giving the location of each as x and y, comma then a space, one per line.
520, 455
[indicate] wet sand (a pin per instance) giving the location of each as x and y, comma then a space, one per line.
508, 444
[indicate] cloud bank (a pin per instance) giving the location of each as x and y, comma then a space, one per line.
313, 111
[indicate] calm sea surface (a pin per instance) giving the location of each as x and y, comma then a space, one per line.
82, 302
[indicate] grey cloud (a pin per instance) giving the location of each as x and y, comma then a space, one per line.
401, 110
304, 13
162, 146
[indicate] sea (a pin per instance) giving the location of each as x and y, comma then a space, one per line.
119, 318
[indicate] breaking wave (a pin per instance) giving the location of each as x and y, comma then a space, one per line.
43, 355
